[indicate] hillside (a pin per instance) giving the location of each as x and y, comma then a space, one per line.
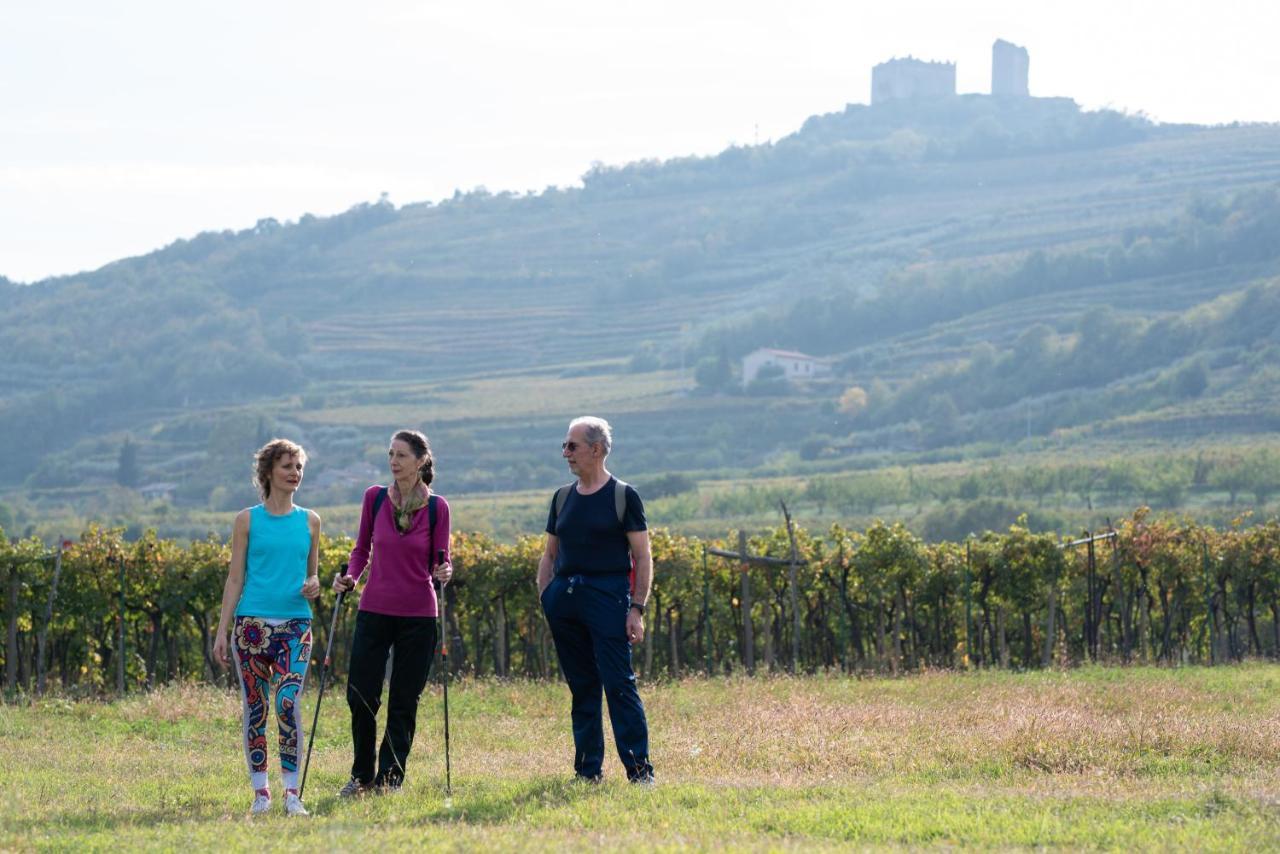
986, 269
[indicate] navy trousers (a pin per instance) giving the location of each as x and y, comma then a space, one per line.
588, 618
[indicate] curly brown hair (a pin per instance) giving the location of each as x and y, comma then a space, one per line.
265, 459
421, 448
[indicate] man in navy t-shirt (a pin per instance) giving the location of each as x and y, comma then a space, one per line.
585, 585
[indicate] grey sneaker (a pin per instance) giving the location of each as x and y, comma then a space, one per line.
595, 780
293, 804
645, 779
261, 802
354, 789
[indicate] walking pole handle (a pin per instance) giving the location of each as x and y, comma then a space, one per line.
441, 557
337, 606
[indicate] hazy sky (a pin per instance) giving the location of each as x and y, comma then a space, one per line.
125, 125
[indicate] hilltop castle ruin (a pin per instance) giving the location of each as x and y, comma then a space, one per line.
916, 78
912, 78
1009, 67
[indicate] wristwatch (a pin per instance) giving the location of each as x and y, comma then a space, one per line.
639, 606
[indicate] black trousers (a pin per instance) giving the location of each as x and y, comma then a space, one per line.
414, 642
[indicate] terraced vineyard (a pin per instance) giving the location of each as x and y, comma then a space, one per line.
489, 320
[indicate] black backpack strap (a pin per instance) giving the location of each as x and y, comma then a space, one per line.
377, 503
620, 499
562, 495
431, 534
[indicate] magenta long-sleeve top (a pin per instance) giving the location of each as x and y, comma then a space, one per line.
399, 582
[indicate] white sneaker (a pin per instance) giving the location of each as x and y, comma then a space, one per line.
261, 804
293, 805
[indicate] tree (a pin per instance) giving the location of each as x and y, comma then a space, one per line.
644, 359
128, 472
769, 380
1039, 482
1191, 380
671, 483
942, 420
814, 446
853, 402
1167, 485
1231, 475
1263, 475
713, 373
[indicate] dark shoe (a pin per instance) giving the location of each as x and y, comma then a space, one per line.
354, 789
643, 779
594, 780
388, 784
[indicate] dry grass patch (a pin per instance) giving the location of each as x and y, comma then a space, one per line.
786, 731
182, 703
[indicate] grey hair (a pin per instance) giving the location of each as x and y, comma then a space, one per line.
598, 430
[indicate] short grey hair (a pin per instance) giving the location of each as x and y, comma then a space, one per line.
598, 430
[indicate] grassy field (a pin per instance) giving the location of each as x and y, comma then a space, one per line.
1094, 758
515, 396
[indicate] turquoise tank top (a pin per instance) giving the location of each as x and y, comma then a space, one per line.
275, 565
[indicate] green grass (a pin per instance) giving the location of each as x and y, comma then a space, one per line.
1093, 758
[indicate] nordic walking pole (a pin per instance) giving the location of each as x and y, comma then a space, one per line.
444, 662
324, 673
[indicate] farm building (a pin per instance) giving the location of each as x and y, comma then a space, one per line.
795, 366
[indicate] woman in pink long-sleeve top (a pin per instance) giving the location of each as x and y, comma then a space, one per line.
405, 528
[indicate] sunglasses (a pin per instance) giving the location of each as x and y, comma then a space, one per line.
573, 446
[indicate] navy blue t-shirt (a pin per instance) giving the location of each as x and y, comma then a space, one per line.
592, 540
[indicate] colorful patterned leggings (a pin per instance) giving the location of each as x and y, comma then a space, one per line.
267, 655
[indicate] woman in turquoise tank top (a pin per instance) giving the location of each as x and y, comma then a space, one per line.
275, 550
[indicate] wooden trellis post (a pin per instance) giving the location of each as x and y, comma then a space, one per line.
746, 559
1093, 592
792, 584
120, 664
11, 626
708, 639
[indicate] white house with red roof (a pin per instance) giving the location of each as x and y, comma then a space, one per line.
796, 367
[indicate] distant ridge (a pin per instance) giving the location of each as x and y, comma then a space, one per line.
908, 225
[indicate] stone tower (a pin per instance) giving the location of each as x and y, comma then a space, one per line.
1009, 67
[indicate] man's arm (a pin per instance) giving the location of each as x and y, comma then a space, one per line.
643, 557
547, 563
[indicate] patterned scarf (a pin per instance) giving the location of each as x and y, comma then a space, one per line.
406, 507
